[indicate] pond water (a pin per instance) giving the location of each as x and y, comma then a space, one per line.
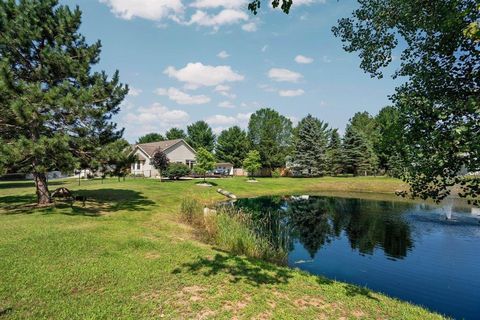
405, 250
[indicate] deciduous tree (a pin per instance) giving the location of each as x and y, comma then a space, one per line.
175, 133
150, 137
200, 135
252, 162
204, 162
270, 134
439, 103
232, 146
160, 161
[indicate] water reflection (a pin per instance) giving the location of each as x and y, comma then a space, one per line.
316, 221
407, 250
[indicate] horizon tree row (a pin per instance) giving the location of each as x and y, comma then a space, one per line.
369, 146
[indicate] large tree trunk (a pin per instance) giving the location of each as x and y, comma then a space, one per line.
43, 195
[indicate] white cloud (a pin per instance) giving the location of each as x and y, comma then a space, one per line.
250, 27
291, 93
267, 88
154, 118
326, 59
280, 75
226, 104
203, 4
264, 48
224, 17
134, 92
181, 97
146, 9
224, 90
219, 119
223, 54
303, 59
196, 75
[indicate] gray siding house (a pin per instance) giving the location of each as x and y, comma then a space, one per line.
177, 151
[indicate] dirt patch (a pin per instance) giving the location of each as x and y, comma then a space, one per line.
307, 302
204, 185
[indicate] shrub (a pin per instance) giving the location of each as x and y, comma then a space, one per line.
177, 170
277, 173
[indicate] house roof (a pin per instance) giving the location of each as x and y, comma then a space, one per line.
151, 147
224, 164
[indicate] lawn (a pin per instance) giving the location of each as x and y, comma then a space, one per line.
127, 256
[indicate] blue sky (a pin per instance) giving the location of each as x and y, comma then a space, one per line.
213, 60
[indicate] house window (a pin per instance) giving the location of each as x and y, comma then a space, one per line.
138, 165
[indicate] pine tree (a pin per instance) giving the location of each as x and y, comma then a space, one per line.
200, 135
358, 155
310, 144
334, 158
175, 133
55, 112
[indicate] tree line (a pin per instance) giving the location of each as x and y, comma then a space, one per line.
371, 144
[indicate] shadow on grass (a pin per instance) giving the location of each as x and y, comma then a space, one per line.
253, 272
352, 291
97, 202
6, 311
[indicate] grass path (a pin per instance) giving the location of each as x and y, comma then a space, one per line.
126, 256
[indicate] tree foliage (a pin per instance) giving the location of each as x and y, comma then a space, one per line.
175, 133
55, 112
204, 162
333, 155
232, 146
270, 134
310, 146
358, 155
177, 170
160, 161
252, 162
439, 103
200, 135
114, 159
150, 137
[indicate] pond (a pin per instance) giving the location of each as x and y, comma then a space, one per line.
406, 250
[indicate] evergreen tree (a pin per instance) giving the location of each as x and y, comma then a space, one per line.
55, 112
200, 135
232, 146
334, 157
270, 134
151, 137
310, 144
358, 155
114, 159
175, 133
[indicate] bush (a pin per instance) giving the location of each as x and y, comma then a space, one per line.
177, 170
277, 173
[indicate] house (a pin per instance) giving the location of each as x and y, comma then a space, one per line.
224, 168
177, 151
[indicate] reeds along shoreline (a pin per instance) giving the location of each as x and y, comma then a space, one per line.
231, 229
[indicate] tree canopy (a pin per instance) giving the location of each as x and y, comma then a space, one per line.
252, 163
175, 133
310, 145
55, 112
205, 161
439, 103
150, 137
232, 146
200, 135
270, 134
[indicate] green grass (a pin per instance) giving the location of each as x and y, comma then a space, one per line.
126, 255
